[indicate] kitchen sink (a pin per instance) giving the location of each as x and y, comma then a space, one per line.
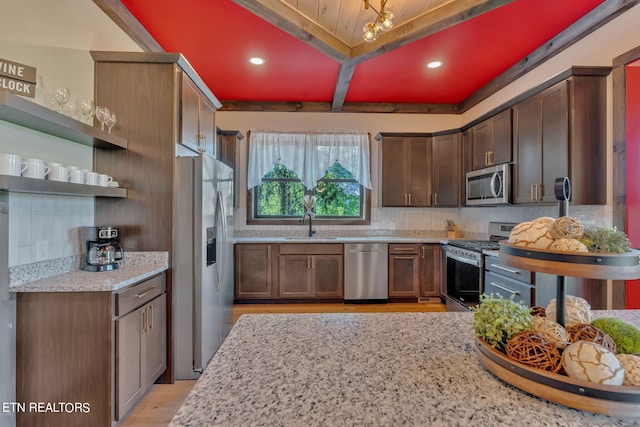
310, 238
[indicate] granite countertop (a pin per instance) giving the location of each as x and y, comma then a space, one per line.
373, 369
136, 267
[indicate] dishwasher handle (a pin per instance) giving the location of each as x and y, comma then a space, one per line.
363, 251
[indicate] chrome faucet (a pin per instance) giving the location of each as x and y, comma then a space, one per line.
311, 230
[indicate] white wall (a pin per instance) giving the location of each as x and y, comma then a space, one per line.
57, 42
597, 49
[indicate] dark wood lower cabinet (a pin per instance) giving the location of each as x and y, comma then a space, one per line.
141, 353
310, 276
430, 273
82, 353
256, 268
315, 271
404, 271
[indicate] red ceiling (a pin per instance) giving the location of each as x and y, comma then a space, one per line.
217, 37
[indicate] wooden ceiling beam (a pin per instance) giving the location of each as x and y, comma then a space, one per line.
438, 19
121, 16
342, 86
290, 20
349, 107
595, 19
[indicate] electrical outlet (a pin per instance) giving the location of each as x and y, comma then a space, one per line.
42, 250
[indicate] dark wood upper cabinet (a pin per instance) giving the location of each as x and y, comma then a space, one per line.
406, 171
446, 170
492, 141
561, 132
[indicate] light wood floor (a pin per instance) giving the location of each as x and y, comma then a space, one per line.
162, 401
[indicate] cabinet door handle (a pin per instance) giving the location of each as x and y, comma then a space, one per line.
490, 157
435, 199
504, 288
204, 147
403, 257
539, 193
150, 319
141, 295
144, 321
402, 249
308, 263
531, 192
405, 199
268, 251
508, 270
409, 198
422, 252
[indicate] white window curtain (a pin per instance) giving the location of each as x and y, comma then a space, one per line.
309, 155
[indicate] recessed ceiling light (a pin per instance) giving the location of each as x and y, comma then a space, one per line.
434, 64
256, 61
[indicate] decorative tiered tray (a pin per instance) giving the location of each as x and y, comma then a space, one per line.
587, 265
621, 401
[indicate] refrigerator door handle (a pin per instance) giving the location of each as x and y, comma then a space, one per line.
223, 219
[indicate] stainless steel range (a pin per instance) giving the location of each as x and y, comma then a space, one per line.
465, 266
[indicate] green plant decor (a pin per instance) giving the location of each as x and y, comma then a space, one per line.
626, 336
605, 239
497, 319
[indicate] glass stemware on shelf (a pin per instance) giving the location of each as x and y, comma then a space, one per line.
111, 120
61, 95
87, 110
102, 114
70, 109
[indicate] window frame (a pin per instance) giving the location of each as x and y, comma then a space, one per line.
366, 210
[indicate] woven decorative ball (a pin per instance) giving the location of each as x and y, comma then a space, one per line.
534, 350
586, 332
631, 365
577, 310
538, 311
566, 227
552, 331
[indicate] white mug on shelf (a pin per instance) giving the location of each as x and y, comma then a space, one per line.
59, 172
36, 169
76, 174
91, 178
11, 164
104, 180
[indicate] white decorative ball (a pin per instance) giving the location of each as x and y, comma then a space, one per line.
552, 331
576, 311
568, 245
531, 234
631, 365
587, 361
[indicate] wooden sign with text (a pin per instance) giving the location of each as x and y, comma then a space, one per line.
17, 78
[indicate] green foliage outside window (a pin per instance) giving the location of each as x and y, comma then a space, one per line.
281, 193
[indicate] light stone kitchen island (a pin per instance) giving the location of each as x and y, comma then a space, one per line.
373, 369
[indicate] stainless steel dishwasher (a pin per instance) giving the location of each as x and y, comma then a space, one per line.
365, 273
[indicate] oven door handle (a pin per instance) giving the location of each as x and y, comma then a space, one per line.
464, 260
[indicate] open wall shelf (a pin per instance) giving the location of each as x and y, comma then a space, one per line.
19, 111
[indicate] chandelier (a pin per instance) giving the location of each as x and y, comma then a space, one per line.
383, 22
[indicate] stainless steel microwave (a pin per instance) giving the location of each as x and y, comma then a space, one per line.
489, 186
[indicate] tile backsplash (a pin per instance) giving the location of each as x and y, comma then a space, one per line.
471, 220
44, 227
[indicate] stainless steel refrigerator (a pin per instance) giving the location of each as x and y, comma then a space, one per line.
202, 261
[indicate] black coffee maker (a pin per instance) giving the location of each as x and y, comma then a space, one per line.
102, 252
